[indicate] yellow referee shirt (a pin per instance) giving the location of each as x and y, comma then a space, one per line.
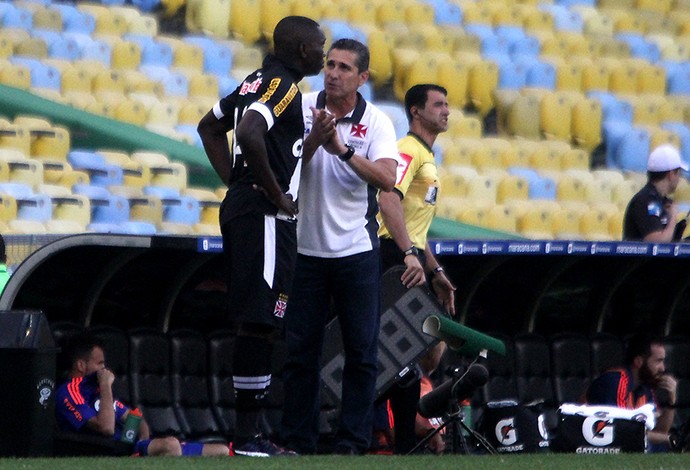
418, 183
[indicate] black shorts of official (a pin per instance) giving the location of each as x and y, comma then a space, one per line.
260, 252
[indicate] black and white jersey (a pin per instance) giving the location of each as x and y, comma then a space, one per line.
272, 92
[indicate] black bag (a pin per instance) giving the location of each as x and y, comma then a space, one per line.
598, 435
513, 428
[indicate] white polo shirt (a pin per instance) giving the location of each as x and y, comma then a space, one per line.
337, 208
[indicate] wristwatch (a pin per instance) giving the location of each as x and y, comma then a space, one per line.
348, 154
411, 251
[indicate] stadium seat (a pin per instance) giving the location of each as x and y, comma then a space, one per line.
594, 225
116, 345
501, 218
570, 367
221, 347
566, 224
483, 79
555, 116
607, 351
523, 117
633, 150
190, 388
150, 380
536, 223
533, 373
586, 123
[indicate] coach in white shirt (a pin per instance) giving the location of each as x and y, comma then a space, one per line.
338, 263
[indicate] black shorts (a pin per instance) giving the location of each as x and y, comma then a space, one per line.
260, 252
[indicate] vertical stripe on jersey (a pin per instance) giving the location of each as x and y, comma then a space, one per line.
372, 225
269, 249
75, 392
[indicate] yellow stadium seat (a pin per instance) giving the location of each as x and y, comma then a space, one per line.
511, 188
598, 24
544, 157
614, 177
8, 208
483, 79
271, 13
566, 225
381, 62
246, 57
524, 150
25, 227
464, 150
72, 207
422, 70
594, 225
595, 77
150, 158
660, 6
21, 169
651, 79
453, 185
207, 229
32, 47
598, 190
537, 20
47, 18
616, 225
16, 137
172, 175
454, 77
314, 9
131, 112
555, 116
670, 110
125, 55
482, 188
245, 20
362, 12
586, 123
211, 17
188, 57
52, 142
501, 154
646, 109
70, 177
503, 100
662, 136
205, 86
191, 113
146, 209
473, 216
17, 76
536, 223
510, 16
107, 23
569, 76
570, 188
147, 25
523, 117
623, 79
501, 218
462, 125
163, 114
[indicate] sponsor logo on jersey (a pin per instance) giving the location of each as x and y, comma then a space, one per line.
281, 305
272, 87
358, 130
285, 102
252, 87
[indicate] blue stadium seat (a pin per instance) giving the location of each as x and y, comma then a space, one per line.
17, 17
100, 172
446, 12
512, 75
633, 150
227, 85
496, 49
183, 209
612, 107
146, 5
539, 187
613, 133
106, 208
97, 50
162, 192
64, 48
136, 227
541, 75
30, 206
217, 57
563, 18
42, 75
640, 47
157, 53
75, 20
190, 130
510, 33
47, 35
678, 79
527, 46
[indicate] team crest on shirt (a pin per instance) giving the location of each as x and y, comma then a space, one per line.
359, 131
654, 209
281, 305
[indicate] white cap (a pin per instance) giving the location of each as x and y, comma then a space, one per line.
665, 158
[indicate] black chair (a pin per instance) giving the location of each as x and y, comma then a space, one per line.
62, 331
502, 384
570, 367
533, 369
116, 345
150, 381
607, 351
189, 373
220, 351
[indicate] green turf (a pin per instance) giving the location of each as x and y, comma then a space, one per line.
455, 462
